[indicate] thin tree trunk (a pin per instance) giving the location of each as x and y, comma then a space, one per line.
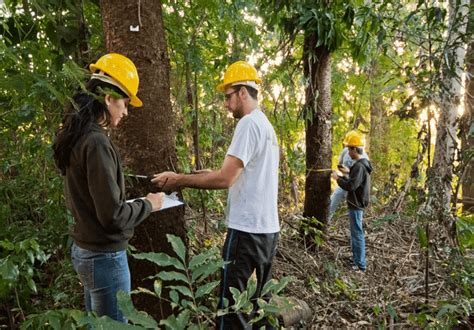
146, 139
318, 114
377, 144
467, 136
440, 175
191, 97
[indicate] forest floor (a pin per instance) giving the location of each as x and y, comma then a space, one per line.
391, 289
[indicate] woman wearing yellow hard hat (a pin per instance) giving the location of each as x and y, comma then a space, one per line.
94, 183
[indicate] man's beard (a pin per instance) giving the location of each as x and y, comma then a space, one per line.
238, 113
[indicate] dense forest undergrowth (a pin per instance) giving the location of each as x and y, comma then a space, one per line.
391, 293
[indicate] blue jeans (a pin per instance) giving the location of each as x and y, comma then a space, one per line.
337, 197
357, 238
102, 274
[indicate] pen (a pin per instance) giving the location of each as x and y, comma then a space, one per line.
163, 186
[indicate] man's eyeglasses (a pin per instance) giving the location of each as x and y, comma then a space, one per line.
229, 95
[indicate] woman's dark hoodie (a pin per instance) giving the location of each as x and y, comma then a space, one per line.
357, 184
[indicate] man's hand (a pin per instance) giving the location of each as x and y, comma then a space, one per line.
336, 175
156, 200
166, 181
343, 169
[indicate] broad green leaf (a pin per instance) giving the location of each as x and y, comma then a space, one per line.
173, 276
8, 270
203, 271
268, 307
251, 287
182, 289
178, 246
182, 319
139, 318
179, 322
174, 296
235, 293
206, 289
160, 259
200, 259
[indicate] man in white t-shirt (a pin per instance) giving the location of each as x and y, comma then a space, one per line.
250, 172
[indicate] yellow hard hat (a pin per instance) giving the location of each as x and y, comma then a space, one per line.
347, 136
353, 139
240, 72
123, 71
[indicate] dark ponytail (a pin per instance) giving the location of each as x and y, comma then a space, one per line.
87, 108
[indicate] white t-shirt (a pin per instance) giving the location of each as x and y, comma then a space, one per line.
346, 160
252, 199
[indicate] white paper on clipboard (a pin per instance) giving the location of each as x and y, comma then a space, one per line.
169, 201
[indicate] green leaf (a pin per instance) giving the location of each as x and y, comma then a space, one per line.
200, 259
32, 285
276, 286
269, 308
240, 299
174, 296
203, 271
421, 232
144, 290
157, 286
8, 270
235, 293
392, 312
206, 289
161, 259
173, 276
178, 246
446, 309
179, 322
182, 319
251, 287
139, 318
182, 289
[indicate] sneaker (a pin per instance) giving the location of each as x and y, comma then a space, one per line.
358, 269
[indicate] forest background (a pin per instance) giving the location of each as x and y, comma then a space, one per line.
398, 71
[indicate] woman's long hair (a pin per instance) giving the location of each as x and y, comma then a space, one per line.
87, 107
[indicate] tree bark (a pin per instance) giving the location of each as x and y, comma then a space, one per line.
146, 139
467, 133
440, 175
191, 97
318, 115
377, 144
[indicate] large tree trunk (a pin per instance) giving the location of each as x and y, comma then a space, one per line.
146, 139
467, 135
440, 175
318, 114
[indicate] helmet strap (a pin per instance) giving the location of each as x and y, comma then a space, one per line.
249, 83
108, 79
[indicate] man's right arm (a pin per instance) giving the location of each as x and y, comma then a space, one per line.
219, 179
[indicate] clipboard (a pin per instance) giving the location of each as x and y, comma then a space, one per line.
169, 201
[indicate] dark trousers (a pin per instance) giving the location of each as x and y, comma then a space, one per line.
247, 253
